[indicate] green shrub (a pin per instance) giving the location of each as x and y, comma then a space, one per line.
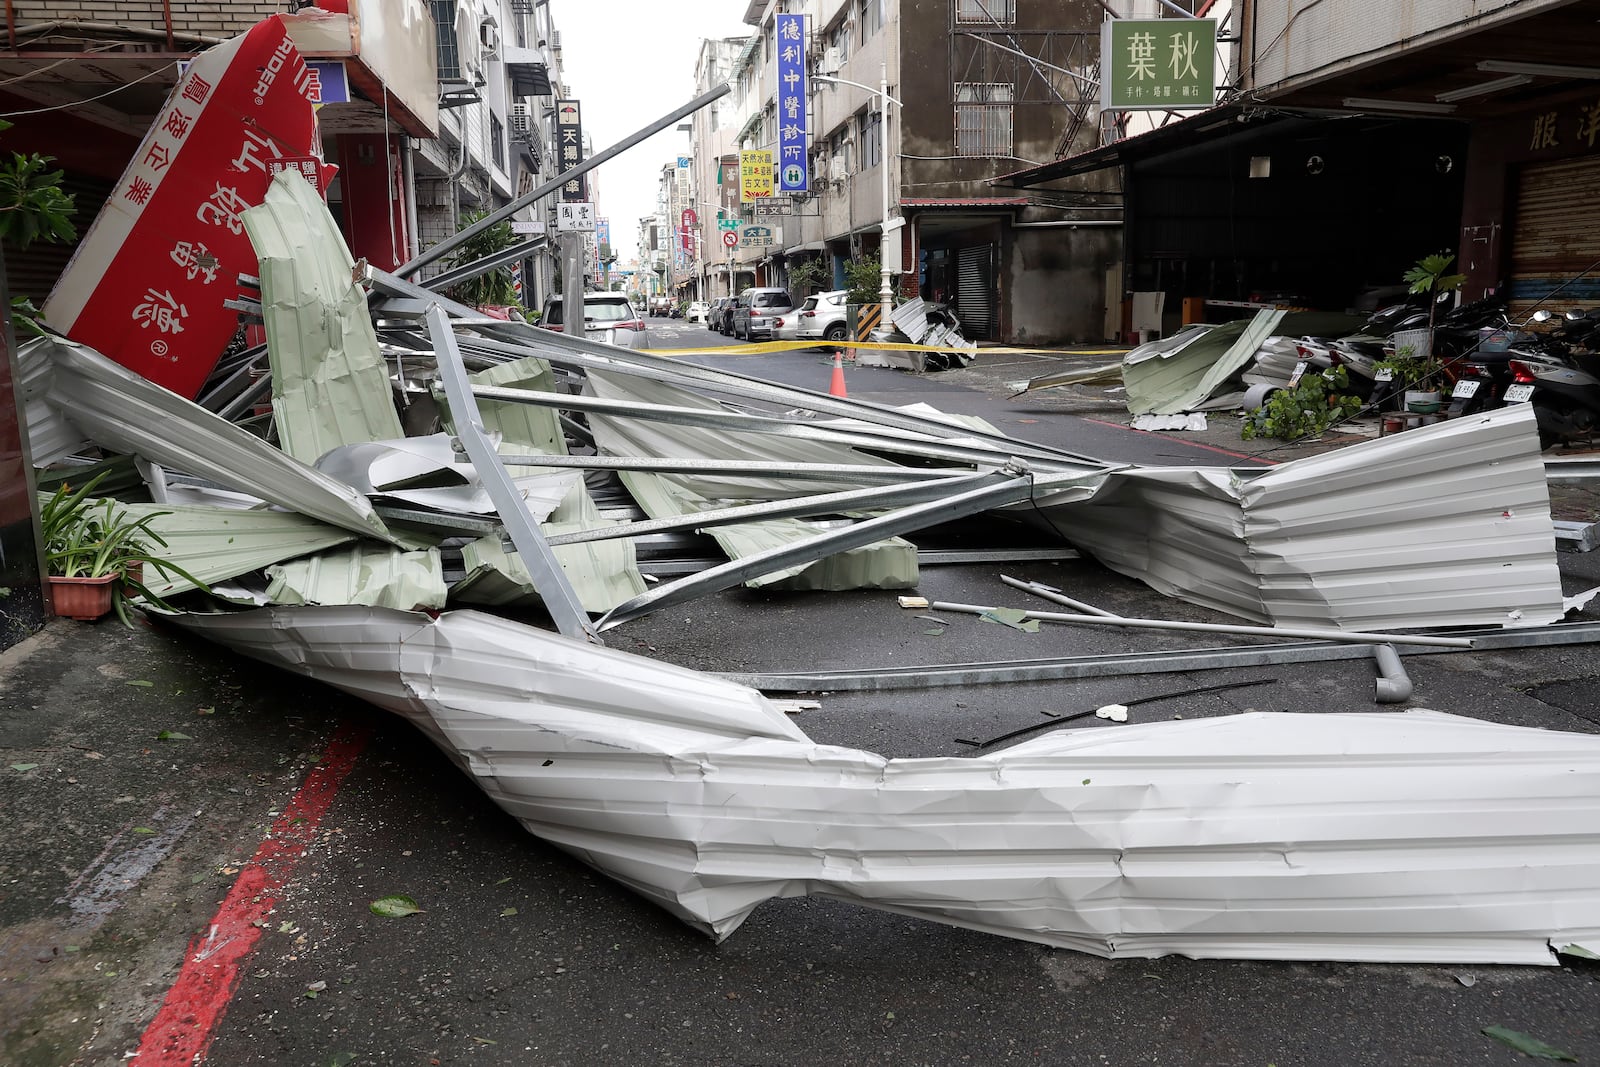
1307, 409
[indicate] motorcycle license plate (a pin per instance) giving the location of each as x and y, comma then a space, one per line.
1516, 394
1465, 389
1383, 374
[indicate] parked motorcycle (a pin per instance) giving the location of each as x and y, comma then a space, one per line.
1485, 371
1564, 392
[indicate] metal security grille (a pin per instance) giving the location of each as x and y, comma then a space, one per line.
986, 11
444, 21
983, 118
1555, 240
975, 291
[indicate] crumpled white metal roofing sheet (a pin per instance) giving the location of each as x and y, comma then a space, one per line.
1446, 525
119, 410
1370, 837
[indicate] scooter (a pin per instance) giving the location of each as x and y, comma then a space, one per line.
1485, 371
1565, 395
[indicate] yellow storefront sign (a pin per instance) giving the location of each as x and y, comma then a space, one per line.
755, 176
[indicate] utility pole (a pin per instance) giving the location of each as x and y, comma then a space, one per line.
572, 266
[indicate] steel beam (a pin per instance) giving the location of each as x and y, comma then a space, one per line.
1004, 487
870, 499
451, 243
560, 600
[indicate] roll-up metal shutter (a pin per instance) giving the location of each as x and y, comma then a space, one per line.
975, 291
1556, 237
33, 271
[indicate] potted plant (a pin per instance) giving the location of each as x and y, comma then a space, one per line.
1418, 378
96, 554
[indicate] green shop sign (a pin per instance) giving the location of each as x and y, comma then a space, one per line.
1158, 64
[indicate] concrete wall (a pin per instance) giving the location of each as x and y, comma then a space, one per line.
1055, 281
1292, 42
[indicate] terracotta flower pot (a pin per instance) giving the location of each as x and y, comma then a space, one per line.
85, 599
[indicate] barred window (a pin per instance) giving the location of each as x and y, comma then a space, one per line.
444, 19
983, 118
986, 11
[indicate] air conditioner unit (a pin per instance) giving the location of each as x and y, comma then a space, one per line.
555, 42
521, 122
829, 61
489, 38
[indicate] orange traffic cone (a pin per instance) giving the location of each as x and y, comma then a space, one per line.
836, 386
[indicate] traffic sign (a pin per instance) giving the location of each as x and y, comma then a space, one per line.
729, 224
730, 239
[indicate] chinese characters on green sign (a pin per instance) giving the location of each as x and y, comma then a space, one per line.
1161, 64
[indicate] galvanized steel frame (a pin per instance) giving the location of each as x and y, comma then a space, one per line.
560, 600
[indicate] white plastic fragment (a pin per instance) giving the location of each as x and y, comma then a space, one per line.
1114, 712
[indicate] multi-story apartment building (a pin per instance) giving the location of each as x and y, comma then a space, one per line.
977, 90
714, 164
499, 64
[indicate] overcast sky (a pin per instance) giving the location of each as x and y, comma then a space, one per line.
629, 62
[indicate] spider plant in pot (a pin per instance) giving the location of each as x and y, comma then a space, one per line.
96, 554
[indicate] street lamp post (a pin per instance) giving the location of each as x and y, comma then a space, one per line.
885, 293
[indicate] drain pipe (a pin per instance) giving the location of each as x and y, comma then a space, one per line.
1393, 685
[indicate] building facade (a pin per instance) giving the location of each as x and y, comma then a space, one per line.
976, 91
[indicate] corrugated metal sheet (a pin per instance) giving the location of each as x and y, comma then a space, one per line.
603, 573
1448, 525
523, 428
330, 386
888, 564
1257, 836
366, 575
122, 411
216, 543
1556, 236
1181, 378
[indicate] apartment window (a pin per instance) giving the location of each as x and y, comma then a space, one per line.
444, 20
871, 139
839, 37
983, 118
870, 15
986, 11
497, 141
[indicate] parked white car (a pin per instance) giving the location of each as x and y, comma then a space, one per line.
607, 317
696, 312
822, 317
786, 327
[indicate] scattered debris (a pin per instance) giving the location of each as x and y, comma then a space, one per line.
1193, 421
1527, 1045
394, 907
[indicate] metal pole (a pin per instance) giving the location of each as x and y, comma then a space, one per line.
450, 244
549, 580
885, 295
572, 316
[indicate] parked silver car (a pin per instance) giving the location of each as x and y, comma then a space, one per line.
607, 317
822, 317
757, 308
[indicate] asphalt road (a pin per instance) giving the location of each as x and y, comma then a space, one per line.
121, 846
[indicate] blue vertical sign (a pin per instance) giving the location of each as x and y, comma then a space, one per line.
792, 167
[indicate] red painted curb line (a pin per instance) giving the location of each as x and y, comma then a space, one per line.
187, 1021
1187, 444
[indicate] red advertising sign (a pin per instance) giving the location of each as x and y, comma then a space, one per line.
147, 285
687, 221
